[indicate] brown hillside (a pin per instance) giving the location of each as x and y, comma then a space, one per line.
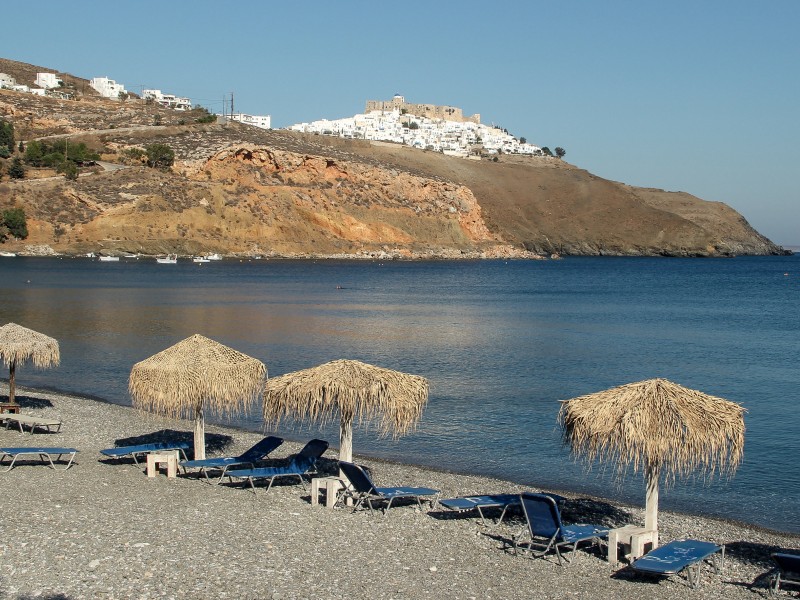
241, 190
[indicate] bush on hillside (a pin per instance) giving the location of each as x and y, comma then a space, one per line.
17, 169
13, 221
159, 156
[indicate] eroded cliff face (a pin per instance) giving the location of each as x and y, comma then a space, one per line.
247, 199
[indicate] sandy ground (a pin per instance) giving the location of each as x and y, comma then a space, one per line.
102, 529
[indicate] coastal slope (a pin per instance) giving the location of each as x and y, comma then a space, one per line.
239, 190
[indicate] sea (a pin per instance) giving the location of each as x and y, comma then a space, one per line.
501, 342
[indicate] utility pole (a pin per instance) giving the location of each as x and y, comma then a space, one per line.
231, 104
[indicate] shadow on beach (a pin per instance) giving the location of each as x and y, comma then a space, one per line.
29, 402
215, 442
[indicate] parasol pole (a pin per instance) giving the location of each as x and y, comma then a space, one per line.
346, 438
12, 382
651, 503
199, 434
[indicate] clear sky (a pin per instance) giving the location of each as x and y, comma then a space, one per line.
701, 97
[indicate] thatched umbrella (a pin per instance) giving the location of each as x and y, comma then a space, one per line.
353, 389
656, 426
178, 382
18, 344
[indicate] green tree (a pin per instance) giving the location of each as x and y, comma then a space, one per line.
4, 152
546, 151
6, 134
560, 152
523, 140
14, 220
17, 169
159, 156
70, 170
34, 153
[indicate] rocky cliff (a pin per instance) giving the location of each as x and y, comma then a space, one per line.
243, 191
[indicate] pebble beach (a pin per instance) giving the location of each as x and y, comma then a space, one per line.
103, 529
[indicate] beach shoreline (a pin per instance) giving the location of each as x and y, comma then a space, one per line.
105, 530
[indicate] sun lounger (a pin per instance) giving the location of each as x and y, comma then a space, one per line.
301, 464
45, 455
143, 449
249, 457
361, 489
481, 503
32, 422
787, 570
546, 531
680, 555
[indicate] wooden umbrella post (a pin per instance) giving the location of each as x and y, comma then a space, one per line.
12, 382
651, 503
199, 434
346, 439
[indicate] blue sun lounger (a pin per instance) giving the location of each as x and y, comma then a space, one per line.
680, 555
249, 457
787, 570
142, 449
45, 455
480, 503
361, 489
546, 531
301, 464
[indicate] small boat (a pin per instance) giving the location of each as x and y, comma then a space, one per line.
7, 254
109, 259
171, 259
200, 259
90, 255
131, 256
214, 256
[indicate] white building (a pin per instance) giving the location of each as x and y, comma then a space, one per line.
455, 138
108, 88
7, 81
262, 122
167, 100
48, 81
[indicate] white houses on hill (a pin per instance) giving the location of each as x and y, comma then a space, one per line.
262, 122
167, 100
48, 81
108, 88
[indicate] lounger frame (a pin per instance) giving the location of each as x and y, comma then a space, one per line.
32, 422
787, 571
659, 562
361, 490
145, 449
545, 533
44, 454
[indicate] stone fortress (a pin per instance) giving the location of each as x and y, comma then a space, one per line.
429, 111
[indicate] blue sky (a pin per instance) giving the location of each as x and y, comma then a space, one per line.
701, 97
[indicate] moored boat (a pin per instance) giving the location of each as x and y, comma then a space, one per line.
200, 259
214, 256
8, 254
170, 259
109, 258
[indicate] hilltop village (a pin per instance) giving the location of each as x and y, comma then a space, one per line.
424, 126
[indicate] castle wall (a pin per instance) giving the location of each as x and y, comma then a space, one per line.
430, 111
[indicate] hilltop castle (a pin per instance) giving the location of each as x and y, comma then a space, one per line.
430, 111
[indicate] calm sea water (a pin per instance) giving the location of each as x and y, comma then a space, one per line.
500, 342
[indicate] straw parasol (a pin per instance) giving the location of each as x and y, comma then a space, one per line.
656, 427
19, 344
353, 389
180, 381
